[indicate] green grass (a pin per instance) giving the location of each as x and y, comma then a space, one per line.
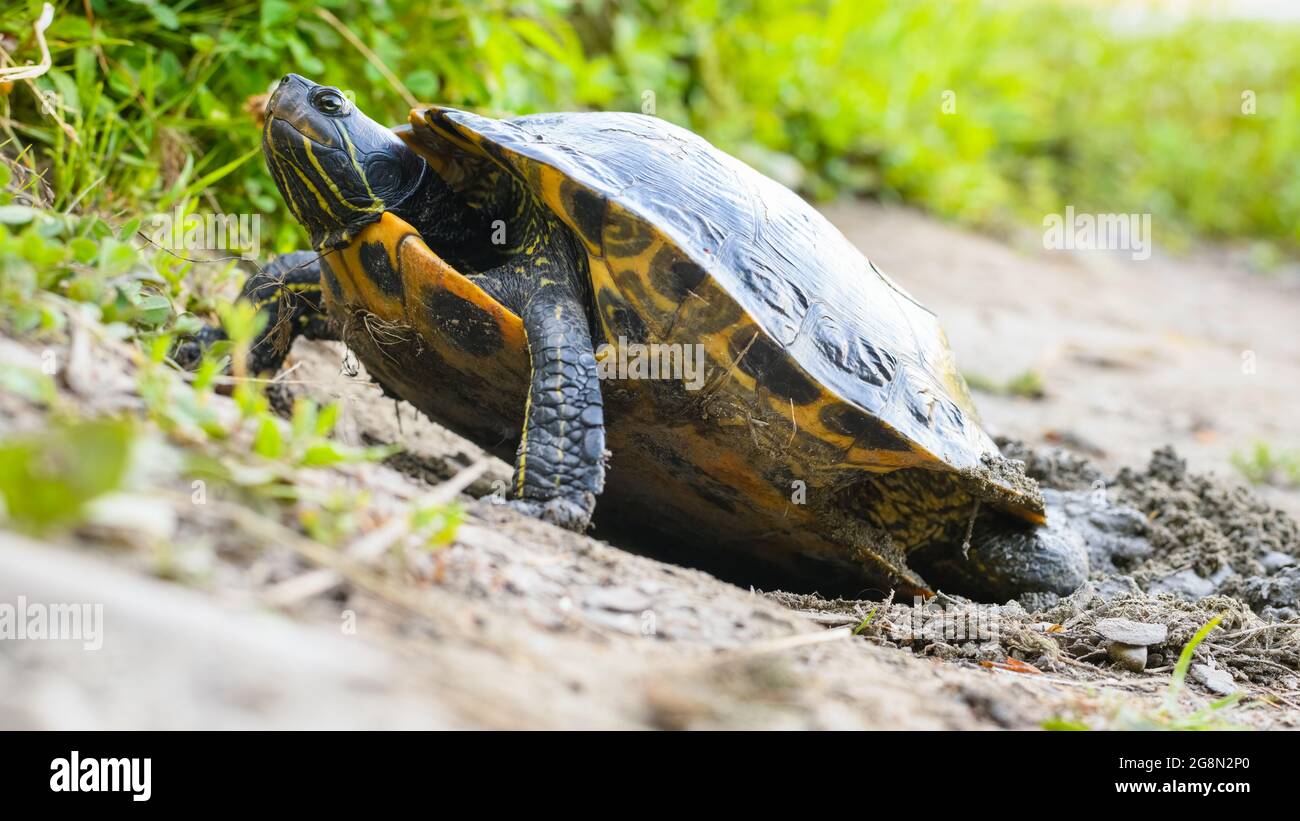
866, 622
1264, 464
990, 113
1027, 385
1217, 715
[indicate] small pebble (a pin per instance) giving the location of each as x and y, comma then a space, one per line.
1129, 656
1216, 681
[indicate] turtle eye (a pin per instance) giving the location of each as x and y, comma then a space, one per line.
329, 102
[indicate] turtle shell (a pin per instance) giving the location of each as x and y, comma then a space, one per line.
822, 368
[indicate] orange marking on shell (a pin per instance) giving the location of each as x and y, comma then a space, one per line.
424, 271
359, 289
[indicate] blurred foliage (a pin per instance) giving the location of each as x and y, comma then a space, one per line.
1026, 384
47, 479
59, 271
1050, 103
1265, 464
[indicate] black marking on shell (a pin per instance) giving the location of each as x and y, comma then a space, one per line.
854, 355
663, 451
636, 290
717, 494
587, 209
620, 319
708, 309
468, 326
332, 282
866, 431
625, 235
532, 174
376, 264
771, 367
675, 277
492, 149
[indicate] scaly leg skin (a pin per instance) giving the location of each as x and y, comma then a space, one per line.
560, 467
288, 291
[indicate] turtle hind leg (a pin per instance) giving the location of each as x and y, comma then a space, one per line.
1085, 535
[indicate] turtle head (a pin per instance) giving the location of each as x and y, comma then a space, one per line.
337, 169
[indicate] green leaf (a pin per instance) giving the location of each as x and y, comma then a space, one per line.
268, 442
329, 416
17, 214
1185, 661
322, 454
213, 177
47, 478
304, 418
1061, 724
32, 385
165, 16
127, 230
540, 38
116, 257
153, 310
306, 60
83, 249
440, 523
423, 84
277, 13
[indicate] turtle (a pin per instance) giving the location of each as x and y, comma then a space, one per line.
627, 313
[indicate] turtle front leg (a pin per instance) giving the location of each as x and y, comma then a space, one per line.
288, 292
560, 466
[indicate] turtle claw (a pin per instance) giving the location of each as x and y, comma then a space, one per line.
188, 353
565, 513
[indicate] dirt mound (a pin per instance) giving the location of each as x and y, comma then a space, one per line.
1165, 529
1168, 548
1208, 537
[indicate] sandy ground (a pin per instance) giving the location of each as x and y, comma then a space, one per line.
518, 624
